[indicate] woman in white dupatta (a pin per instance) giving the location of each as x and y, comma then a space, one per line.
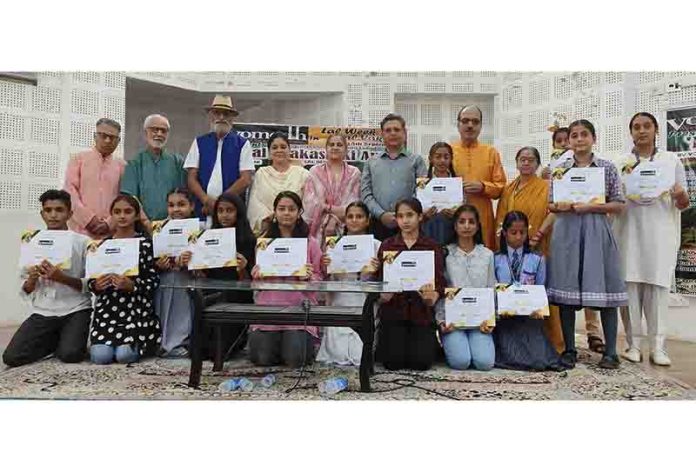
283, 174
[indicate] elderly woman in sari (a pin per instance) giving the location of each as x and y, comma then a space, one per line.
528, 194
282, 175
330, 187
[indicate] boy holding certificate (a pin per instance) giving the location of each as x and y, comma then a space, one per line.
60, 305
585, 266
407, 326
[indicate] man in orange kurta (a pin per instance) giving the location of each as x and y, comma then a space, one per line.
480, 167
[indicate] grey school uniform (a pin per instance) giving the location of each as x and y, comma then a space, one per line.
584, 267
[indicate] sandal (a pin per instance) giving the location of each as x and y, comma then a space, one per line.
596, 344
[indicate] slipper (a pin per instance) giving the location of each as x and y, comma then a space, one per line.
596, 344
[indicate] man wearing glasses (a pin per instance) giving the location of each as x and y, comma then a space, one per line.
92, 179
480, 167
154, 172
390, 176
220, 161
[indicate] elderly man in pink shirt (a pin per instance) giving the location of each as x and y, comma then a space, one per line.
93, 180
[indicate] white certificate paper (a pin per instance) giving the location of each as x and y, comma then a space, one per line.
648, 181
213, 248
410, 270
469, 307
171, 238
113, 256
440, 192
579, 185
51, 245
349, 254
282, 257
522, 300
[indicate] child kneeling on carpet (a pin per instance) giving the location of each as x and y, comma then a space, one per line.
125, 326
60, 306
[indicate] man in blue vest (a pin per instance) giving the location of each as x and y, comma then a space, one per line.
220, 161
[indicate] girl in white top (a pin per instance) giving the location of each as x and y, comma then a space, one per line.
648, 234
340, 345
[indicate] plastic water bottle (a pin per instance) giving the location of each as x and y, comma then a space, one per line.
236, 383
268, 381
333, 385
229, 385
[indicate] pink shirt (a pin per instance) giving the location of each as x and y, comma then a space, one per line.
292, 298
93, 182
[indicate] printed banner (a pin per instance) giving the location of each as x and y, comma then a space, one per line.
309, 142
681, 139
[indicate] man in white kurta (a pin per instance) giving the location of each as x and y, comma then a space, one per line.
648, 233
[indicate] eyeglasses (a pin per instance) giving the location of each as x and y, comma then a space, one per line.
157, 129
107, 136
473, 121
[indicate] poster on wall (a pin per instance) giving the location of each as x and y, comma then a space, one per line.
681, 139
308, 143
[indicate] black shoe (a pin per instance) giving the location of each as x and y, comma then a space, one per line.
568, 359
609, 362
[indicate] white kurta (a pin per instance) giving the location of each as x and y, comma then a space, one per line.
649, 233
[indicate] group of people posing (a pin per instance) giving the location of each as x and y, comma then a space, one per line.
598, 256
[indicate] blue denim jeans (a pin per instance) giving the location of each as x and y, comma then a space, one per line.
103, 354
469, 347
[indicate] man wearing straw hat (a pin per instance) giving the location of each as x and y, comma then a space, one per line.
220, 161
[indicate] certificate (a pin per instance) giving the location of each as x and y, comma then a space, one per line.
522, 300
112, 256
54, 246
409, 270
440, 192
213, 248
578, 185
648, 181
282, 257
349, 254
171, 238
469, 307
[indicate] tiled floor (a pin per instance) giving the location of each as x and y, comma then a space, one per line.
683, 355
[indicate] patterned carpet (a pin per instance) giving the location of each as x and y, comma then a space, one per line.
162, 379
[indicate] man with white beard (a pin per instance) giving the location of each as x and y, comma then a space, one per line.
154, 172
220, 161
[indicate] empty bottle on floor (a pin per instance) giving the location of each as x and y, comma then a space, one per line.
236, 383
333, 385
268, 381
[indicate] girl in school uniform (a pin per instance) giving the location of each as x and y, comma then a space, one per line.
585, 264
520, 342
438, 224
229, 211
341, 345
124, 324
173, 306
289, 345
468, 264
407, 337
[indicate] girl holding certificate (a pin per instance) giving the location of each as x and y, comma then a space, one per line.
124, 324
585, 264
438, 225
340, 345
173, 306
469, 264
520, 342
290, 345
407, 330
649, 236
229, 211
